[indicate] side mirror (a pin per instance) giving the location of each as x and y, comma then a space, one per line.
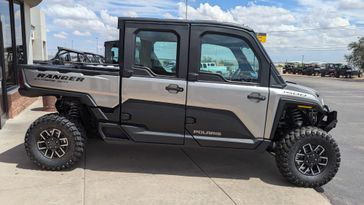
112, 54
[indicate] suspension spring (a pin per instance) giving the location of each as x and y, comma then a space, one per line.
69, 108
297, 117
74, 110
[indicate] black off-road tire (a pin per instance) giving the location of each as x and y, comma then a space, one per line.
73, 131
289, 146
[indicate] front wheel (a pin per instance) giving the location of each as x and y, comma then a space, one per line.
54, 142
308, 157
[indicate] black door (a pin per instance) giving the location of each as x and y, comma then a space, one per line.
2, 83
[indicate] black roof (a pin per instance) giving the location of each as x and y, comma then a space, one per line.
164, 21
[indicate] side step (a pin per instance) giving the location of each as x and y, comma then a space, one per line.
113, 132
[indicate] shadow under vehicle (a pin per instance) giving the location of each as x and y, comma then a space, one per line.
144, 100
71, 56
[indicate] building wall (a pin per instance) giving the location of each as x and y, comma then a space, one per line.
17, 103
27, 26
39, 34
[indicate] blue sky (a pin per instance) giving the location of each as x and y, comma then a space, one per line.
319, 30
288, 4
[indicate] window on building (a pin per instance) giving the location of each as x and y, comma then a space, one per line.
19, 32
7, 39
12, 55
230, 57
157, 51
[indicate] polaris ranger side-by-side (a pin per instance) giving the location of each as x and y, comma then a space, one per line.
158, 93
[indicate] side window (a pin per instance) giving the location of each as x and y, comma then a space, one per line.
230, 57
157, 51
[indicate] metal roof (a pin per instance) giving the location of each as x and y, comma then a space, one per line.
166, 21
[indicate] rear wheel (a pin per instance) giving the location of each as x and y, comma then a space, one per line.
54, 142
308, 157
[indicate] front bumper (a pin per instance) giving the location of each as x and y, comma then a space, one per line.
329, 120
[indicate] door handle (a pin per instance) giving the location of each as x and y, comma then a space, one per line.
256, 96
173, 88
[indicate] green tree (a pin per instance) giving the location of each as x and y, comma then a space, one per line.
356, 57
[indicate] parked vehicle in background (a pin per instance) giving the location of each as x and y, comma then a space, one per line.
311, 69
288, 68
347, 71
299, 69
70, 56
329, 69
212, 67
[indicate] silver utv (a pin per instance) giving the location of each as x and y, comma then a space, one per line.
160, 94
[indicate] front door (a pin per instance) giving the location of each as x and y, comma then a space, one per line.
227, 88
154, 82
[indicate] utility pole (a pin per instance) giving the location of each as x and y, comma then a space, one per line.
97, 45
303, 57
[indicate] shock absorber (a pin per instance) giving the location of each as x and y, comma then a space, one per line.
296, 116
74, 110
68, 107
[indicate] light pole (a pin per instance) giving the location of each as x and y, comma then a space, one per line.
97, 45
186, 9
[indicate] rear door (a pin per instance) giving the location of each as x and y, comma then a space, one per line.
154, 81
226, 101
